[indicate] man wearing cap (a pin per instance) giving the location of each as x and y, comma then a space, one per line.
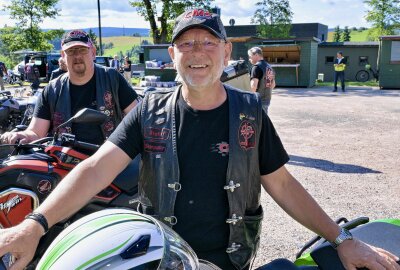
206, 150
86, 85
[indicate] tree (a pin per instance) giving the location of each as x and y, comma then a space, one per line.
29, 14
93, 37
384, 16
164, 11
274, 18
336, 34
346, 34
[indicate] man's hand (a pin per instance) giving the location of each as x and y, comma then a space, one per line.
354, 253
21, 241
12, 137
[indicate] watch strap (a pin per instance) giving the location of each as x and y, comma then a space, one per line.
39, 218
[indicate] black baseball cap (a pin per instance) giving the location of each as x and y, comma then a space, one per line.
199, 18
75, 38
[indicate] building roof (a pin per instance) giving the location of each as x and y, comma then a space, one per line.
389, 38
350, 44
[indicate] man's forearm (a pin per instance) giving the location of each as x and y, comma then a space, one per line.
83, 182
299, 204
73, 192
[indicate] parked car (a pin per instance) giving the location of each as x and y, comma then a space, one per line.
103, 60
45, 61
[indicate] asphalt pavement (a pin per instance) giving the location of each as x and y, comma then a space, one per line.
344, 149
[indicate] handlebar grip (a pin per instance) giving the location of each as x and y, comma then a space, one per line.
86, 146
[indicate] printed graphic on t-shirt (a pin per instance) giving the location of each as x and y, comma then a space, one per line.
221, 148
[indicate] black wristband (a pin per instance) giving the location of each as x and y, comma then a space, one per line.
40, 219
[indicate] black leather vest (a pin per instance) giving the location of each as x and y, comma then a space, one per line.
265, 92
159, 175
107, 84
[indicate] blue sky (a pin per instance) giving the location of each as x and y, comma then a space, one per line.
118, 13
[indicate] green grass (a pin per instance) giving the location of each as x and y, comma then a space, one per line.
350, 83
122, 43
355, 36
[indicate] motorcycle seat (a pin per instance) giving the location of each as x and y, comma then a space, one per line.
378, 233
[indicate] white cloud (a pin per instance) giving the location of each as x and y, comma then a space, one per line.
119, 13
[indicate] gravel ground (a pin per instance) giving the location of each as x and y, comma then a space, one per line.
344, 149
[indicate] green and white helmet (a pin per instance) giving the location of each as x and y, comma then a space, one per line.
119, 239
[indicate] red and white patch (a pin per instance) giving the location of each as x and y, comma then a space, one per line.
247, 135
44, 186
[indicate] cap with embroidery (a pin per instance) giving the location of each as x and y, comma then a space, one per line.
199, 18
75, 38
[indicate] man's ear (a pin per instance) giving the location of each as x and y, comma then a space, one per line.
228, 52
171, 52
93, 50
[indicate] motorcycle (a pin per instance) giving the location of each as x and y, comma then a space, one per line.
131, 240
16, 109
13, 78
318, 254
32, 171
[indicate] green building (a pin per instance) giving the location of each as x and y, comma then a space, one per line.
357, 54
389, 62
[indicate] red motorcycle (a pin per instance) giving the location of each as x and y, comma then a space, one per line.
32, 171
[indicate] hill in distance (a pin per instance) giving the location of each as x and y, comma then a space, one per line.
117, 31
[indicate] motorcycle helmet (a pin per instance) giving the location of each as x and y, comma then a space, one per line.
120, 239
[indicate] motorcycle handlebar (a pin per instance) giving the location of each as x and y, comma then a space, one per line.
86, 146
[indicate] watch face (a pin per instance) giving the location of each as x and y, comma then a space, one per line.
344, 235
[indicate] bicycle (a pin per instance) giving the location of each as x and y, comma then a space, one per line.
364, 74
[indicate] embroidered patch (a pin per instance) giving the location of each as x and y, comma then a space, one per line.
58, 119
108, 99
221, 148
44, 186
247, 135
157, 133
154, 147
108, 126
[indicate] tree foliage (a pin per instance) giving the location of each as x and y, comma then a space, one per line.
164, 12
93, 37
384, 16
27, 33
346, 34
337, 34
274, 18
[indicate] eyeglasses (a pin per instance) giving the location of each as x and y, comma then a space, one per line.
188, 45
80, 51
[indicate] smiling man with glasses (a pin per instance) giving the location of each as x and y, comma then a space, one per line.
85, 85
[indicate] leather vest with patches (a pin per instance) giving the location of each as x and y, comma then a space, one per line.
159, 174
107, 84
265, 92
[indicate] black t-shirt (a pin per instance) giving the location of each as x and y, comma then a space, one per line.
84, 96
256, 72
202, 206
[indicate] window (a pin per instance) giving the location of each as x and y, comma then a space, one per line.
329, 59
395, 53
362, 60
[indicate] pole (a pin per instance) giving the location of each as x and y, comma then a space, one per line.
101, 43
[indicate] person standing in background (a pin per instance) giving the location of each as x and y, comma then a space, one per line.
262, 77
127, 69
339, 66
115, 63
3, 72
62, 68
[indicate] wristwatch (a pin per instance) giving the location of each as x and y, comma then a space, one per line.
343, 235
